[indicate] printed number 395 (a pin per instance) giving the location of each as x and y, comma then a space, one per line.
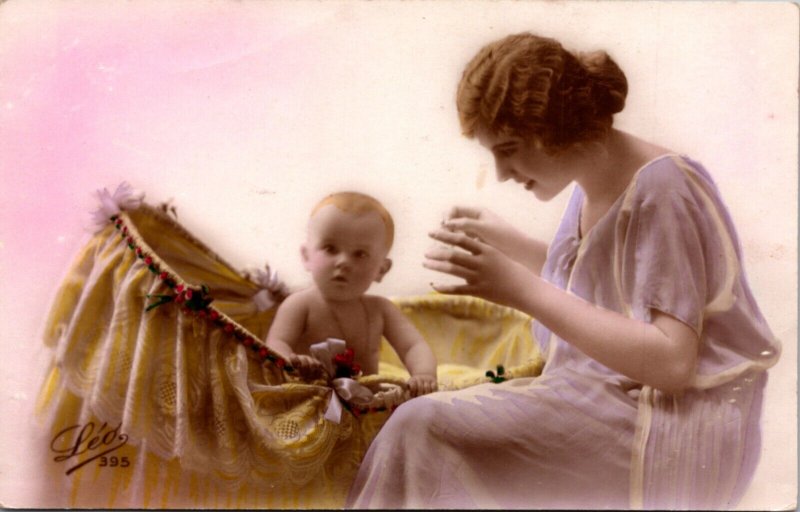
113, 462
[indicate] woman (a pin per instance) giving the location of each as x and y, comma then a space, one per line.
655, 347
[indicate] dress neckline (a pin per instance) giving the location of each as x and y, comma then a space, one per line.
576, 232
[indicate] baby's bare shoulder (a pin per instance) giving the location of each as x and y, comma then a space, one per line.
378, 303
299, 300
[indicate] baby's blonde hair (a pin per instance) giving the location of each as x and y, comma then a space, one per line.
359, 204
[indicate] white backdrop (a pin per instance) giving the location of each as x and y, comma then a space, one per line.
247, 113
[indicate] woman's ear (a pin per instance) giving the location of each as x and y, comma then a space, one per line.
385, 266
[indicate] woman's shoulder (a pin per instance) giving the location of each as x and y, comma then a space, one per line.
669, 177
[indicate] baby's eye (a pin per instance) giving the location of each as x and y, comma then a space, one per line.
329, 248
362, 254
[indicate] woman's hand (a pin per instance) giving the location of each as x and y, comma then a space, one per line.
489, 273
492, 229
420, 385
486, 226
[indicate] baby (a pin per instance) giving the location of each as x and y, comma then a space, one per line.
349, 237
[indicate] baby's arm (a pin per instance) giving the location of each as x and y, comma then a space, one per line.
287, 328
412, 349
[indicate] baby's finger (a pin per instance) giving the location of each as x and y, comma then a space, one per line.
413, 387
424, 388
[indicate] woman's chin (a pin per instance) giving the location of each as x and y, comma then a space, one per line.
539, 193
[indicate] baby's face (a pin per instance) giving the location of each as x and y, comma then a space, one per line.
345, 252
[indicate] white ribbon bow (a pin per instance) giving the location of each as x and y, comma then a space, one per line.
272, 288
124, 198
344, 388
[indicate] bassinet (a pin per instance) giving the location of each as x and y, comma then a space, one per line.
161, 393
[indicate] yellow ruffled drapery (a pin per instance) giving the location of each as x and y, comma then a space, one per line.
211, 418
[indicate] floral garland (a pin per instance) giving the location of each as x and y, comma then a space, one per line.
358, 411
196, 302
345, 365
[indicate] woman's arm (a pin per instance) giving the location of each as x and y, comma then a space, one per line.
661, 354
489, 227
411, 347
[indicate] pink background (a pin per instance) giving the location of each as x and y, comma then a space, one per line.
246, 113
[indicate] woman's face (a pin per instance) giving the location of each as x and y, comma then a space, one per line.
522, 161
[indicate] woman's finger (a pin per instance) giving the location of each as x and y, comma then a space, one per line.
455, 256
447, 267
464, 211
455, 289
458, 239
471, 227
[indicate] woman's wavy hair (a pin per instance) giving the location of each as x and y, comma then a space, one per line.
531, 87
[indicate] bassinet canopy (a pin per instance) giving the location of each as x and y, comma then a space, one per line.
159, 341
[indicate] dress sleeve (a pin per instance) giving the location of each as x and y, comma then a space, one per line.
671, 254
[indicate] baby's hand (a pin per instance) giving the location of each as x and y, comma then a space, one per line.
420, 385
307, 365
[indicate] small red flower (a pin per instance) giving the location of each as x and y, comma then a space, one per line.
125, 230
214, 315
281, 363
163, 276
228, 328
148, 261
180, 298
201, 314
263, 352
188, 294
248, 341
179, 288
139, 252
